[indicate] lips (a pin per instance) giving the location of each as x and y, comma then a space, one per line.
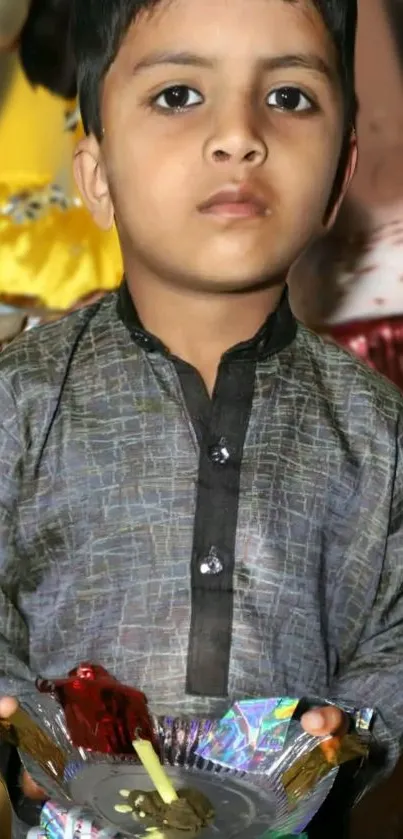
235, 203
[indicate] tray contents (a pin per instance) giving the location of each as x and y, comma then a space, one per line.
109, 764
190, 811
102, 715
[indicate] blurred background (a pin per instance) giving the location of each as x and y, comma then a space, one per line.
351, 284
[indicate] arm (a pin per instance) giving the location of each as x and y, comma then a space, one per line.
375, 676
14, 669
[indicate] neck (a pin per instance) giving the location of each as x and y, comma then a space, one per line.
199, 327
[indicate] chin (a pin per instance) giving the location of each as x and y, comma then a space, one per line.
237, 277
233, 283
239, 265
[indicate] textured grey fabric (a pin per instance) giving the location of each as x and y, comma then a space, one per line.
96, 522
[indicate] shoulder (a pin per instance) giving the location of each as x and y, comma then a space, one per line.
345, 380
40, 359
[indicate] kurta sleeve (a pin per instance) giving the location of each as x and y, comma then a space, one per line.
14, 669
375, 675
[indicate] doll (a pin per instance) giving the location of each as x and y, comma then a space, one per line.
52, 254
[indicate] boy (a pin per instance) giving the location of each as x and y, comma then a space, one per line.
197, 492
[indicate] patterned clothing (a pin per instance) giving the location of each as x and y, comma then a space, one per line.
201, 550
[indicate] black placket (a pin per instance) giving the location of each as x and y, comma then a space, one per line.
220, 425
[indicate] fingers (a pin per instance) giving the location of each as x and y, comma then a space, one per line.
8, 707
31, 789
324, 721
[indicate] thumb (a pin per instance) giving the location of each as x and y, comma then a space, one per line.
321, 722
8, 707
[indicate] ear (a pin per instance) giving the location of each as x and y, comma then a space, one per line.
91, 179
349, 162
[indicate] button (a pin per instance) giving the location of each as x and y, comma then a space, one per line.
143, 340
219, 454
211, 565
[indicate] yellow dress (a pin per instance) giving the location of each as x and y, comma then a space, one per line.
50, 249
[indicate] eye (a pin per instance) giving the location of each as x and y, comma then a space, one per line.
178, 98
289, 99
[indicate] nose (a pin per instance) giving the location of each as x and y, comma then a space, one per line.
236, 140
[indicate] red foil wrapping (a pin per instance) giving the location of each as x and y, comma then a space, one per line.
101, 714
377, 342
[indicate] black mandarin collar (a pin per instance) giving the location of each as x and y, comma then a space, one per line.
277, 332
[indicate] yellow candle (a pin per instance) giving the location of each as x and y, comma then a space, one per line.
155, 771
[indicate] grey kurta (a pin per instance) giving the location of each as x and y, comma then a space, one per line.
99, 463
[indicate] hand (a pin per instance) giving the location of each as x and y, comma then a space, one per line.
325, 721
8, 707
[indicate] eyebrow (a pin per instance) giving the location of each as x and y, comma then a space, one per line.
305, 61
185, 59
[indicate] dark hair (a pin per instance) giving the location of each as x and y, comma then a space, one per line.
99, 27
46, 48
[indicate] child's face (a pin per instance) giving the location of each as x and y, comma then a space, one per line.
228, 65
